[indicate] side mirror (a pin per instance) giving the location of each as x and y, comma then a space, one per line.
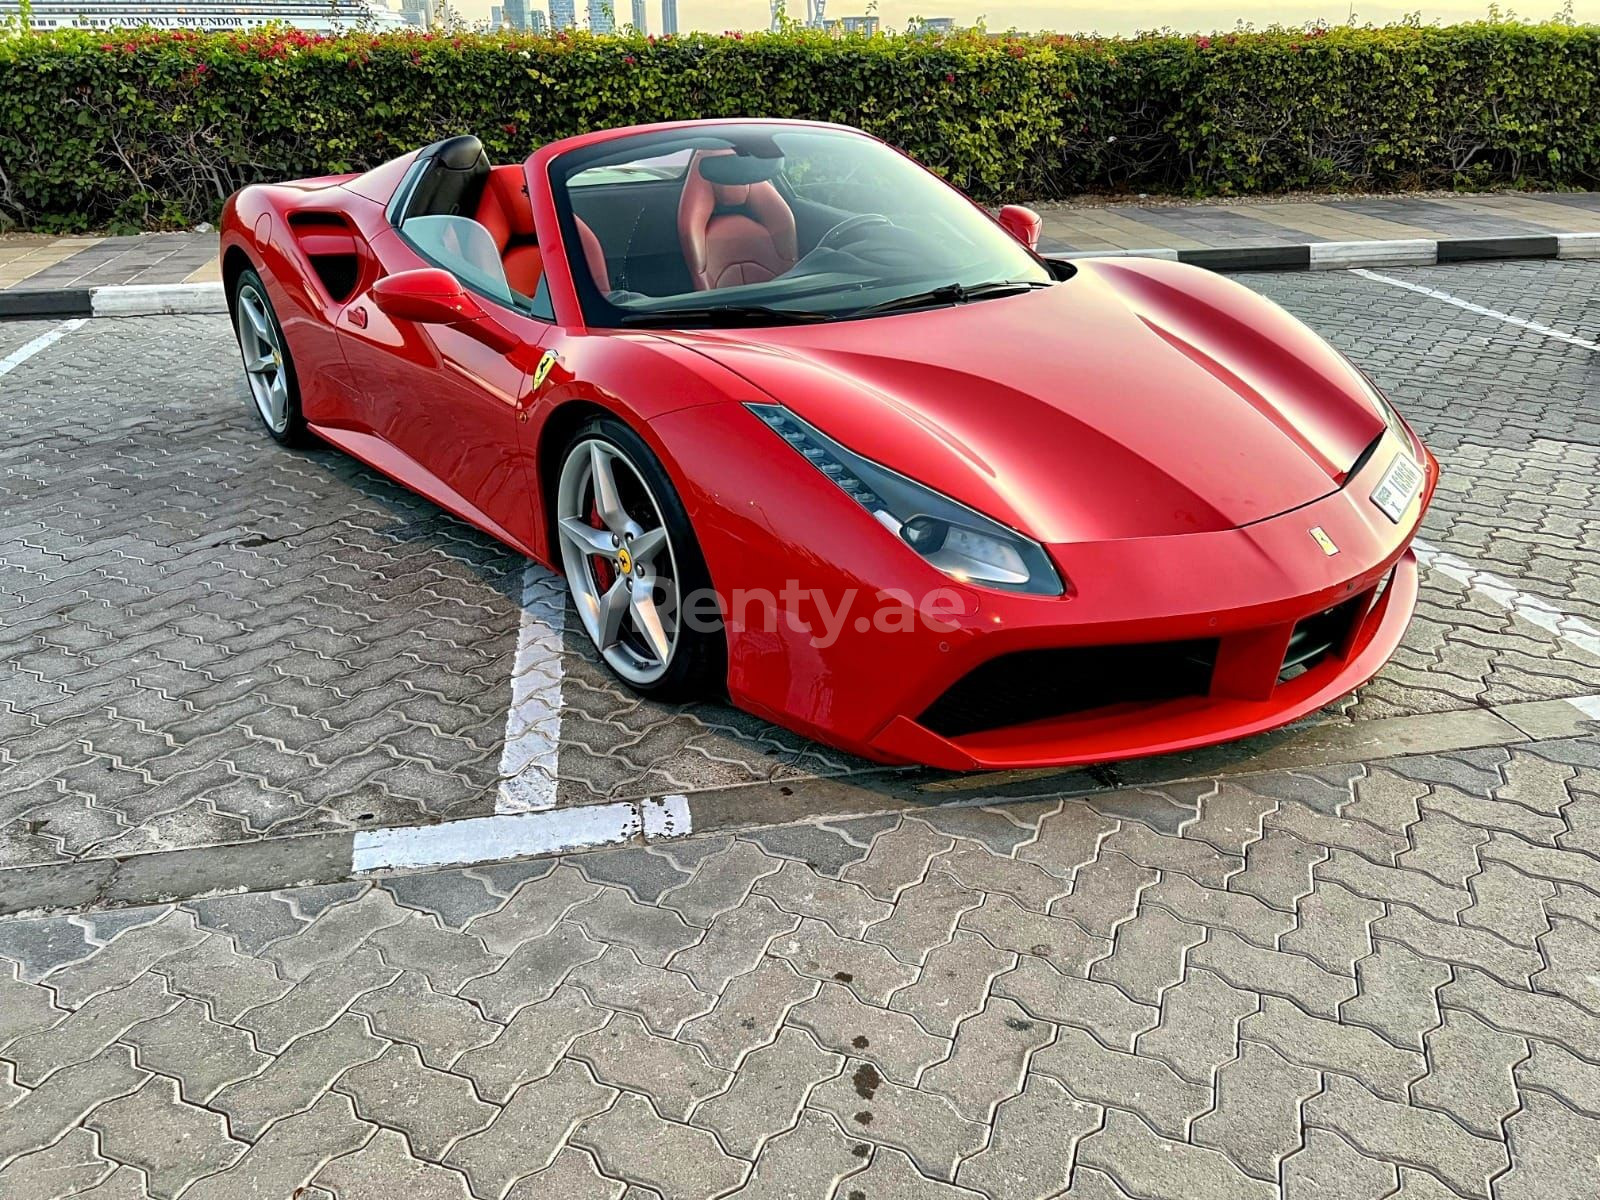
1022, 223
432, 296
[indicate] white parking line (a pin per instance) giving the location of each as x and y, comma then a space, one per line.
49, 338
1534, 609
533, 723
1446, 297
488, 839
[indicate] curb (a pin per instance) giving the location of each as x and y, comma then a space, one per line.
1338, 256
164, 299
115, 300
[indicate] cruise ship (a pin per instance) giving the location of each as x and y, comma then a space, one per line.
324, 16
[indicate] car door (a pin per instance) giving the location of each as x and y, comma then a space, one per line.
445, 407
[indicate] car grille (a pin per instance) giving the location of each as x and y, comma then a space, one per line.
1033, 685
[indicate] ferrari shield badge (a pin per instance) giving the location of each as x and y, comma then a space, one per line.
542, 371
1321, 538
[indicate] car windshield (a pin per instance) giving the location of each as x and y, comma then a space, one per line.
750, 223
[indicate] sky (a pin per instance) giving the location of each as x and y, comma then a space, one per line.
1185, 16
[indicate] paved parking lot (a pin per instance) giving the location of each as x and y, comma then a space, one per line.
247, 693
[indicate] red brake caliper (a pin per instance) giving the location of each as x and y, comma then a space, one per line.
604, 575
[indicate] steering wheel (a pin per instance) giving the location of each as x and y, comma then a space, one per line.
849, 225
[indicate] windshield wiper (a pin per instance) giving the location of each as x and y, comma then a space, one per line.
953, 293
726, 314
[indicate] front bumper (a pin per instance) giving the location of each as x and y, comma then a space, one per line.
1133, 729
770, 521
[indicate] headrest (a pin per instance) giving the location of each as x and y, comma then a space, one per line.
736, 170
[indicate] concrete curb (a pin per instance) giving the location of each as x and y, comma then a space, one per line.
160, 299
114, 300
1338, 256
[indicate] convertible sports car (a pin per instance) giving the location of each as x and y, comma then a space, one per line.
804, 426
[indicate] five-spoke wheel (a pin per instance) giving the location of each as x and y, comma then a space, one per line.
268, 369
630, 560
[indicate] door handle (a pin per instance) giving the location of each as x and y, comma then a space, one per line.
358, 316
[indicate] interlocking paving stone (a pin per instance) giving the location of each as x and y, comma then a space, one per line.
384, 1167
1149, 1165
441, 1027
297, 1076
1098, 1008
1257, 1117
1385, 1068
38, 1117
533, 972
749, 1013
432, 1108
663, 999
531, 1045
172, 1142
1033, 1145
631, 1141
1272, 972
894, 1042
871, 972
733, 943
227, 981
89, 1030
1199, 1029
720, 882
768, 1093
846, 908
318, 1000
1146, 1085
285, 1158
1327, 1167
530, 1129
925, 917
624, 1054
990, 1060
70, 1167
572, 1176
201, 1054
1396, 994
924, 1125
1558, 1071
1402, 1133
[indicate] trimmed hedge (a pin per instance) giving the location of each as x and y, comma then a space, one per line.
137, 129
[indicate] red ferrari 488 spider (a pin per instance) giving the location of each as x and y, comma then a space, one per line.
802, 425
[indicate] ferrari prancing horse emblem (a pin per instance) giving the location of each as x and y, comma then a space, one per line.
542, 371
1320, 537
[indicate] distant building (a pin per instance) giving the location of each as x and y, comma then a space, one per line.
932, 25
514, 13
669, 16
641, 16
323, 16
777, 10
414, 11
602, 16
866, 25
563, 14
816, 14
537, 21
496, 20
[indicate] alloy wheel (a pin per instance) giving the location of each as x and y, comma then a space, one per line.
618, 559
263, 353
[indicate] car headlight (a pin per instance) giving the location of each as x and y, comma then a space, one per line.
961, 542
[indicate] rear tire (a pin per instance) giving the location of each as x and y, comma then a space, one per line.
268, 367
630, 558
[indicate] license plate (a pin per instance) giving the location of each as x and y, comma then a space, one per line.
1398, 487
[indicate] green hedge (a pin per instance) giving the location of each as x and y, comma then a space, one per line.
146, 129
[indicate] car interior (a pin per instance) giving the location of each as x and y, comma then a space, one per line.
708, 224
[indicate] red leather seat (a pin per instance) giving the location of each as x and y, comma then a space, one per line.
507, 213
733, 233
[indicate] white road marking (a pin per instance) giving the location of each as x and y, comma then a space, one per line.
533, 723
1589, 706
45, 340
1446, 297
666, 816
1534, 609
486, 839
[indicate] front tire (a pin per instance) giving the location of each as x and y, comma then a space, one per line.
268, 366
631, 562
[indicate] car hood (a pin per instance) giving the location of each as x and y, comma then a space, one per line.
1137, 399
